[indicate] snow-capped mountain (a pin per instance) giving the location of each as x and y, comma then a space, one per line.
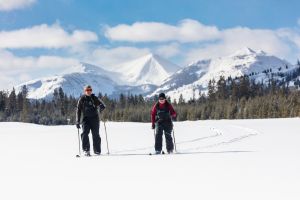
152, 74
244, 62
72, 82
150, 69
140, 76
194, 78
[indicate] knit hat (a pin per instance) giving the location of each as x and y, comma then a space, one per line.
87, 87
162, 95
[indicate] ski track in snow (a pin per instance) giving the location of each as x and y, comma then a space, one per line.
246, 133
217, 133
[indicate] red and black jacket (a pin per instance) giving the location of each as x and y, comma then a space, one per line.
162, 112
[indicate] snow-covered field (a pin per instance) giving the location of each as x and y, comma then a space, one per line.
226, 159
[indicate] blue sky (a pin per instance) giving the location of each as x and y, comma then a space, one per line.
92, 13
42, 37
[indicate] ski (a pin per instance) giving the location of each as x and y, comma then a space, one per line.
144, 154
162, 153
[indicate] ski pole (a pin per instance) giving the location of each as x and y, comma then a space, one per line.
174, 140
78, 144
154, 137
106, 137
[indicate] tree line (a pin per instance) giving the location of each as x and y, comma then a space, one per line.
238, 98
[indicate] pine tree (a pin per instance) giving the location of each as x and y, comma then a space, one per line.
245, 87
12, 103
3, 98
211, 90
25, 103
221, 88
181, 100
122, 100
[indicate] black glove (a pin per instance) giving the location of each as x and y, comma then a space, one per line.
78, 126
102, 107
93, 95
174, 118
153, 126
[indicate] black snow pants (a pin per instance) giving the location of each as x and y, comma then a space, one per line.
167, 128
91, 124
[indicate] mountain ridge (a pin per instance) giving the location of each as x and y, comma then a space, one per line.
151, 74
194, 78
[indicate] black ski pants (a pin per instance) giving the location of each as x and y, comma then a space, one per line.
91, 124
164, 127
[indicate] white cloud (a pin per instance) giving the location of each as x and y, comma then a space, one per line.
111, 57
186, 42
192, 40
10, 62
168, 51
15, 70
187, 30
195, 41
6, 82
45, 36
8, 5
275, 42
292, 35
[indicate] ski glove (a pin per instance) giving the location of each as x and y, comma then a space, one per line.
174, 117
153, 126
102, 107
78, 126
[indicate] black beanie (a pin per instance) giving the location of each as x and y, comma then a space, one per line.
162, 95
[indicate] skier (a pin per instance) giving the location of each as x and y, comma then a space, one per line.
162, 115
88, 105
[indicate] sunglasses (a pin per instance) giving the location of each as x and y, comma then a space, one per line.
88, 90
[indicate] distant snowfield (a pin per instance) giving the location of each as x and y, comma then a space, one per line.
225, 159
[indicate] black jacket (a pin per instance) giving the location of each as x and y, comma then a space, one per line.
88, 107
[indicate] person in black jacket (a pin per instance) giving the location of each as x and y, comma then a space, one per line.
87, 106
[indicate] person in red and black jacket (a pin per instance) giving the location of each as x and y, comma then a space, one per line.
162, 115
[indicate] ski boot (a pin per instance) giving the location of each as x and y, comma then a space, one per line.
157, 152
170, 151
86, 153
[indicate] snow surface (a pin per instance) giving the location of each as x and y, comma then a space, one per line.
231, 159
